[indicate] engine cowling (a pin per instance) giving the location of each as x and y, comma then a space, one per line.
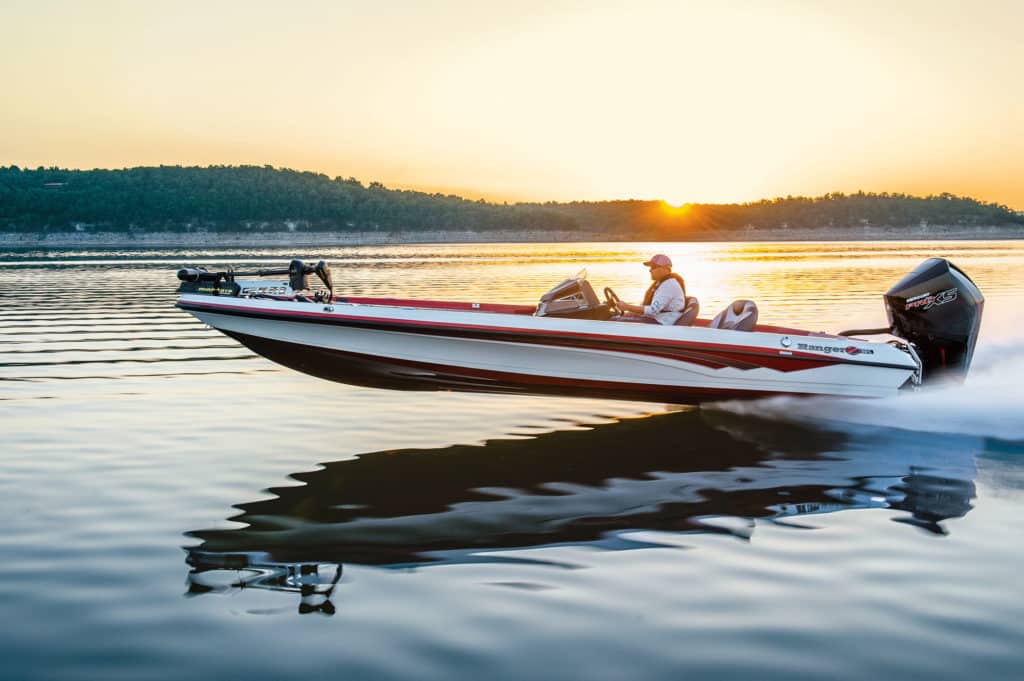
937, 308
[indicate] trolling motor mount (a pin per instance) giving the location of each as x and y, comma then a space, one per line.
201, 280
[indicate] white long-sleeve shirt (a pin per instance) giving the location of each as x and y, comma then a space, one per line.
668, 302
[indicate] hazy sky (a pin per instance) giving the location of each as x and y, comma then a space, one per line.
686, 101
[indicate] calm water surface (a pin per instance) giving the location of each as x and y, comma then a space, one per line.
179, 508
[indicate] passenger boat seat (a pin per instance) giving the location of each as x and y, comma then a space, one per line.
690, 312
741, 315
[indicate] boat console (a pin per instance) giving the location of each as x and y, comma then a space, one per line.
574, 298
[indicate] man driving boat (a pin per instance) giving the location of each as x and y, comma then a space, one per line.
665, 299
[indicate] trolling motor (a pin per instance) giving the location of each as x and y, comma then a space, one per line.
200, 280
937, 309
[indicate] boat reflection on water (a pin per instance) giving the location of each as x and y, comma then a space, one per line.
621, 485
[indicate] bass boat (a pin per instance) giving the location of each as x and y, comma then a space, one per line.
571, 344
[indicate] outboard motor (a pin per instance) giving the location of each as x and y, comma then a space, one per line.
938, 309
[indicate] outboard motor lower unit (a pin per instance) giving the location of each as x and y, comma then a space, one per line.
937, 308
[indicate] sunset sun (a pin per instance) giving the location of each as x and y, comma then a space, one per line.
676, 205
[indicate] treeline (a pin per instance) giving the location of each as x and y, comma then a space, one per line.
253, 198
233, 198
832, 212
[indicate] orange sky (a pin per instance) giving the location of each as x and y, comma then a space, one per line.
686, 101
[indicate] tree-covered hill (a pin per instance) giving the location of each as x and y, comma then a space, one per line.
253, 198
831, 213
239, 198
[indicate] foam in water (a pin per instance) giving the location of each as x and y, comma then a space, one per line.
989, 404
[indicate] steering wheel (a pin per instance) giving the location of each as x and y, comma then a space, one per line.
614, 303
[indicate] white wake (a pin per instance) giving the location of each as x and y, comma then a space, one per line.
989, 404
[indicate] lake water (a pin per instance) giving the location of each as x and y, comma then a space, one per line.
178, 508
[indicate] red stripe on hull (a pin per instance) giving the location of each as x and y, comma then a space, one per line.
376, 372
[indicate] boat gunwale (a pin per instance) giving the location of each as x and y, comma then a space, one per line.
522, 310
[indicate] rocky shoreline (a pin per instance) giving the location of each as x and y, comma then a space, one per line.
200, 239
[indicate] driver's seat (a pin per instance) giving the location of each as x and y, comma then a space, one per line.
690, 312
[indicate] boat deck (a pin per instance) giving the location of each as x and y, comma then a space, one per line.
504, 308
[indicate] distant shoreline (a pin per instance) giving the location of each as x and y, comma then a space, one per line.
395, 238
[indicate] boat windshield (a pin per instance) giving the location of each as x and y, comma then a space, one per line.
581, 275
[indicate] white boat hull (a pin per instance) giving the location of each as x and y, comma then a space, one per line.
409, 347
